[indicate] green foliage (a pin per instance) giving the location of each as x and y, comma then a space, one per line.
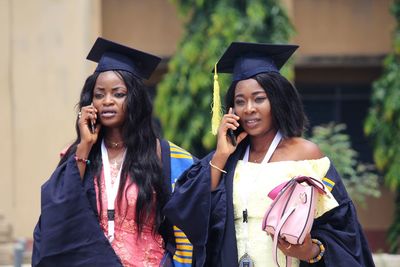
184, 95
359, 178
383, 123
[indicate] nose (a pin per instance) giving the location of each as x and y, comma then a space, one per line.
249, 108
108, 100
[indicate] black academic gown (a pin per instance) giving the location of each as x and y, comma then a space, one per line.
207, 218
68, 232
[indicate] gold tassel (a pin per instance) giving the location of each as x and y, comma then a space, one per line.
216, 106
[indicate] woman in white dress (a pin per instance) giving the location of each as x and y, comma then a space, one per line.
221, 200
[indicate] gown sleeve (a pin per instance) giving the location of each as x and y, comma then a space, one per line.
340, 232
198, 212
68, 231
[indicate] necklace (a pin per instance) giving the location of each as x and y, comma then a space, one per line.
259, 159
265, 155
111, 144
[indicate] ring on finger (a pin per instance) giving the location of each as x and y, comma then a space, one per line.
290, 245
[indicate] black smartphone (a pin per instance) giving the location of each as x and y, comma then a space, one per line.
92, 126
232, 134
232, 137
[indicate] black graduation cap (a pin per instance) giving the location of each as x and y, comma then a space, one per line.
114, 56
245, 60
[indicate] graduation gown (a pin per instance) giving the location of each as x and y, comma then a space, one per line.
207, 218
68, 232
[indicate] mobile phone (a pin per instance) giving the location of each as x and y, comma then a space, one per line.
232, 137
232, 134
92, 124
92, 127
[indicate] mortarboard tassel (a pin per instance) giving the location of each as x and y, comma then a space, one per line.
216, 106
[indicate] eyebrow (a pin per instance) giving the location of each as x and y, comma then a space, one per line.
113, 89
253, 94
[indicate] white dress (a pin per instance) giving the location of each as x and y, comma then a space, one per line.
259, 180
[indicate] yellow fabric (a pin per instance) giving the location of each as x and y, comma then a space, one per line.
216, 106
261, 179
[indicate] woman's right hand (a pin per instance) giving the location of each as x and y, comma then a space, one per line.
86, 119
224, 144
89, 132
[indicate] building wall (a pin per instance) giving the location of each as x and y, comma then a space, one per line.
341, 27
7, 185
376, 216
151, 25
42, 69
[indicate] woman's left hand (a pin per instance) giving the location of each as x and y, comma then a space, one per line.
306, 251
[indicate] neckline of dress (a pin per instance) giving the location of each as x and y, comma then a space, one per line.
270, 151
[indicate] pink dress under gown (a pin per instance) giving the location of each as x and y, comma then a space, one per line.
146, 250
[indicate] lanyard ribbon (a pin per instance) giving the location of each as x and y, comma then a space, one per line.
111, 189
271, 149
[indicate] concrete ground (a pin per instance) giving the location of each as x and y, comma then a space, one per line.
7, 252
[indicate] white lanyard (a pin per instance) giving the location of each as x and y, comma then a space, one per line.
245, 184
111, 189
271, 149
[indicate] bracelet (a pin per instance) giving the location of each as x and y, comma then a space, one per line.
217, 168
321, 253
83, 160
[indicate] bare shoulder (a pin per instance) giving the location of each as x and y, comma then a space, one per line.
300, 149
310, 149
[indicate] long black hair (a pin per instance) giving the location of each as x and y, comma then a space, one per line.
286, 105
141, 163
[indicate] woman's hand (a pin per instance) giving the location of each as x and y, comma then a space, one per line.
89, 132
306, 251
224, 144
88, 128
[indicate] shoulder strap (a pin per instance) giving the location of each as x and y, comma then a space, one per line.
166, 164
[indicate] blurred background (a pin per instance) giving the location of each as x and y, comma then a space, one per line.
346, 70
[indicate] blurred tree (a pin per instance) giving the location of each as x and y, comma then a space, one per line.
359, 178
383, 124
184, 96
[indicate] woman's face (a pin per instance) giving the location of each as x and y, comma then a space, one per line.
252, 105
109, 98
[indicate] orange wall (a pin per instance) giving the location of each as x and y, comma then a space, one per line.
343, 27
150, 25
